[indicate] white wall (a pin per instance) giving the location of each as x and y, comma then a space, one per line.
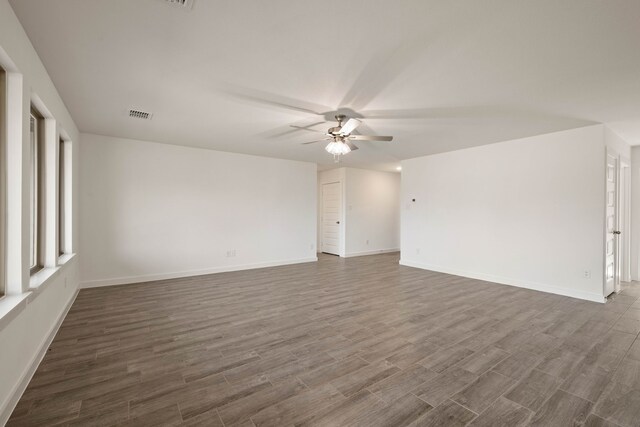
28, 315
372, 217
528, 212
151, 210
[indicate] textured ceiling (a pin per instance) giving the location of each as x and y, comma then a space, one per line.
437, 75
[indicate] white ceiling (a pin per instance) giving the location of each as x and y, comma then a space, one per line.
437, 75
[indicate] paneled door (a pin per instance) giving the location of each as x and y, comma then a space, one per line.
331, 213
611, 224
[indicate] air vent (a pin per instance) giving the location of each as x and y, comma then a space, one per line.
184, 4
138, 114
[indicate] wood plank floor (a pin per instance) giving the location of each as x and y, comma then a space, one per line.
361, 341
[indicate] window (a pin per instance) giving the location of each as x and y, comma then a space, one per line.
36, 172
61, 197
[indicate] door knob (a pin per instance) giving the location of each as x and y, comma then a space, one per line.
617, 232
337, 222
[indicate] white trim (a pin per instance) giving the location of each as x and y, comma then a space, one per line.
378, 252
21, 386
42, 276
610, 152
69, 153
624, 215
17, 130
589, 296
177, 275
39, 280
50, 192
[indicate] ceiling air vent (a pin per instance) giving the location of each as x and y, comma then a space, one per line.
184, 4
138, 114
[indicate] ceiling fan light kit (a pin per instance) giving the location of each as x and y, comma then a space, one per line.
338, 148
340, 137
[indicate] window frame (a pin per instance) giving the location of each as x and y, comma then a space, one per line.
62, 197
36, 192
3, 180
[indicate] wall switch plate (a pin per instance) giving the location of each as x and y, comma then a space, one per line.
231, 253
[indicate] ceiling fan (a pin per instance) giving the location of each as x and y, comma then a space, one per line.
341, 136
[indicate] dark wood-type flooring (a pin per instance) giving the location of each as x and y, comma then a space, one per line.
361, 341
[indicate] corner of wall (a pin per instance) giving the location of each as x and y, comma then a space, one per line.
616, 143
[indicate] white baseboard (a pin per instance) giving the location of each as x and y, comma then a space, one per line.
21, 386
574, 293
177, 275
378, 252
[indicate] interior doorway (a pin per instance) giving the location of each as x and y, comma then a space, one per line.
617, 259
331, 215
611, 226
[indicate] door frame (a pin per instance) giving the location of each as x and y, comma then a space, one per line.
624, 217
613, 155
341, 228
622, 244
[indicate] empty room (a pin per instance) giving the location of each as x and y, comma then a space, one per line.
320, 213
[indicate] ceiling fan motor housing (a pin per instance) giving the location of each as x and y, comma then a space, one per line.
335, 130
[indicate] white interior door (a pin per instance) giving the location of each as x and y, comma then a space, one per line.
611, 231
331, 214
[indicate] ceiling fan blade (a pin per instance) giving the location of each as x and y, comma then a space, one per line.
416, 113
350, 126
365, 129
317, 140
273, 100
381, 70
283, 131
351, 145
370, 138
308, 128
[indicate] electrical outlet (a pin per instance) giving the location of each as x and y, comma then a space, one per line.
587, 274
418, 251
231, 253
367, 241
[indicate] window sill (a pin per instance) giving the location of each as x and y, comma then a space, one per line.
38, 279
64, 258
41, 278
12, 305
